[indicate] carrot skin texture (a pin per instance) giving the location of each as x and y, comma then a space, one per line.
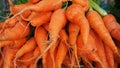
75, 14
97, 24
112, 25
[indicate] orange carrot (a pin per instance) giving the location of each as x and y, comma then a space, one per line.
75, 14
25, 57
1, 62
20, 30
62, 49
57, 22
8, 59
23, 66
14, 9
89, 50
19, 43
37, 19
97, 24
6, 43
32, 66
34, 1
100, 49
44, 5
83, 3
109, 56
27, 47
61, 53
112, 25
73, 33
41, 37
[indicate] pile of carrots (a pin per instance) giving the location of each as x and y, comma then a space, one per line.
46, 34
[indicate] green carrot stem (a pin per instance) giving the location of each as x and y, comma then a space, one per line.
97, 8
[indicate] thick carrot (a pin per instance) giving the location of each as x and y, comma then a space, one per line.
44, 5
27, 47
75, 14
41, 38
97, 24
1, 62
20, 30
100, 48
37, 19
109, 56
83, 3
112, 25
73, 33
9, 56
61, 53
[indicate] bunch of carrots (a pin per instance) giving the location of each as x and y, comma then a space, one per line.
46, 34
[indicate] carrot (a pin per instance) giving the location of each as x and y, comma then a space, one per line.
6, 43
100, 48
41, 37
27, 47
89, 50
20, 30
32, 66
62, 49
57, 22
61, 53
109, 56
52, 52
37, 19
75, 14
112, 25
95, 21
14, 9
43, 6
73, 33
83, 3
25, 57
9, 56
19, 43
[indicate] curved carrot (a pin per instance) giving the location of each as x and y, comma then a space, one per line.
41, 37
57, 22
75, 14
112, 26
83, 3
73, 33
27, 47
44, 5
97, 24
